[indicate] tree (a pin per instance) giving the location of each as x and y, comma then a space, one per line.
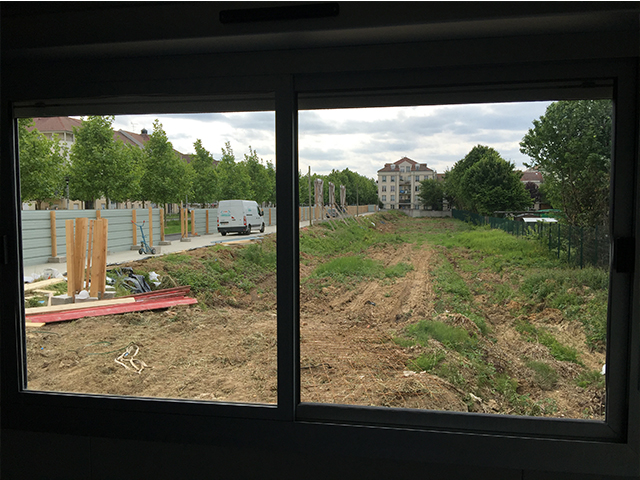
431, 194
100, 166
262, 181
571, 146
534, 192
43, 165
167, 178
204, 176
233, 181
483, 182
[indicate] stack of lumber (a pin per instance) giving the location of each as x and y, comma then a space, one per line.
155, 300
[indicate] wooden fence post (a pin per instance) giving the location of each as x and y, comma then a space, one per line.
54, 238
207, 226
135, 227
193, 223
81, 247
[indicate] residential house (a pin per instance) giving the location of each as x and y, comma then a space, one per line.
399, 183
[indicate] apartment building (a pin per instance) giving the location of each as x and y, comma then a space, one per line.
399, 183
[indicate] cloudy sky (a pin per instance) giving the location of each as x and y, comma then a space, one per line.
362, 140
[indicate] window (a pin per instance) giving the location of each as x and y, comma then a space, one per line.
393, 188
384, 188
384, 178
384, 198
427, 424
393, 198
196, 353
417, 178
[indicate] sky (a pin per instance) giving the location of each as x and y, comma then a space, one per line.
362, 140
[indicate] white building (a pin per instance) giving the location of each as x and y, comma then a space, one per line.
399, 183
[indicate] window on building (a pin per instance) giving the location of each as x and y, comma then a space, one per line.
384, 188
384, 178
393, 188
393, 198
384, 198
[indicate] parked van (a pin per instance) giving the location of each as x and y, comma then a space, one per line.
240, 216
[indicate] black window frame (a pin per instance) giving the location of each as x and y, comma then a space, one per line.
488, 440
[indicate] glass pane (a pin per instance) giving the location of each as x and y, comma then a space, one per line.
482, 286
149, 248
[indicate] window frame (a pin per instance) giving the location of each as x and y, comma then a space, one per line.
572, 445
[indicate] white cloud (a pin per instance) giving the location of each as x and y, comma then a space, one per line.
362, 140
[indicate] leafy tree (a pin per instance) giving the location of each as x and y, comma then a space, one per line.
100, 166
431, 193
43, 165
571, 146
204, 178
233, 181
534, 192
483, 182
167, 178
262, 180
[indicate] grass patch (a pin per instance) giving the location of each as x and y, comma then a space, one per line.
456, 338
544, 375
427, 361
359, 267
589, 378
540, 335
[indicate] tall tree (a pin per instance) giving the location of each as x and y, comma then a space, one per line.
571, 146
167, 178
262, 182
100, 166
233, 181
204, 176
43, 165
431, 194
483, 182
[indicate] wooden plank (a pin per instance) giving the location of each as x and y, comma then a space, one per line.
42, 283
78, 306
166, 292
34, 325
81, 248
70, 258
89, 246
117, 309
99, 260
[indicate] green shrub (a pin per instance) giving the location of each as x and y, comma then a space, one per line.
455, 338
544, 375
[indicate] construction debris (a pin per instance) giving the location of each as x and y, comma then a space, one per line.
127, 356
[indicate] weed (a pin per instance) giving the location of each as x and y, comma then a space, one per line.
455, 338
427, 361
589, 378
544, 375
542, 336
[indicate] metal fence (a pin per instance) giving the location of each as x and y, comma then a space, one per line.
579, 246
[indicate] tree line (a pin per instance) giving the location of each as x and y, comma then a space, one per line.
570, 145
97, 165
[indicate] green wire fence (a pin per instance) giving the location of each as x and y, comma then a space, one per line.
579, 246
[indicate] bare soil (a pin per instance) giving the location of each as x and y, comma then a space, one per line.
227, 352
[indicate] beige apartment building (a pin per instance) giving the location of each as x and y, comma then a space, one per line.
399, 183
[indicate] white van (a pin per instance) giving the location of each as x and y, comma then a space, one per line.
240, 216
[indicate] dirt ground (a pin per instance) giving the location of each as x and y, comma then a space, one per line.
228, 353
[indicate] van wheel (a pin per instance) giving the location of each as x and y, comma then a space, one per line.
248, 232
223, 233
262, 228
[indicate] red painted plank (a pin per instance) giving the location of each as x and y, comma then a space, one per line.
113, 310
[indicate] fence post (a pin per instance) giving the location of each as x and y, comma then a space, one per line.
207, 226
569, 249
193, 222
54, 238
135, 227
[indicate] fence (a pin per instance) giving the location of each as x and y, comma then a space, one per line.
578, 246
44, 238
